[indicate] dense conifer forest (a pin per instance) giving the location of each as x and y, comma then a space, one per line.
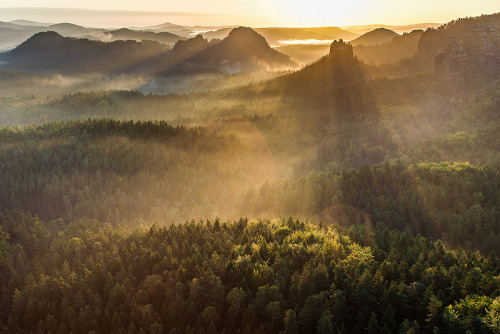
342, 197
239, 277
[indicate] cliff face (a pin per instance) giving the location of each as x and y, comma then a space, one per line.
340, 50
335, 84
243, 50
452, 63
475, 55
190, 47
479, 46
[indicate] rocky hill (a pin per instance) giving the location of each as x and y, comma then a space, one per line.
475, 54
335, 82
243, 50
467, 48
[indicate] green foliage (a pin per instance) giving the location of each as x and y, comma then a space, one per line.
468, 314
372, 167
455, 202
89, 276
112, 170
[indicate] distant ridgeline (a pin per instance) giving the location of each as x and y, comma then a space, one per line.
243, 50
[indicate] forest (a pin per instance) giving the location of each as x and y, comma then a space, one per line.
228, 193
240, 277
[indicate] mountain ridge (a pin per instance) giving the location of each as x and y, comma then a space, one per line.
243, 50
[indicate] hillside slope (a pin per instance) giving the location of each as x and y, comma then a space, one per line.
375, 37
50, 52
243, 50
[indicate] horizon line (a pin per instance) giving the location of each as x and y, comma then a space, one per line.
140, 13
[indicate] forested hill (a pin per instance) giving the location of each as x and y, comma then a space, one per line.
333, 84
50, 52
243, 277
457, 203
468, 50
127, 34
339, 198
127, 171
375, 37
143, 171
243, 50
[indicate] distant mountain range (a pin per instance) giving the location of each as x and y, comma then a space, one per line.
380, 46
15, 32
276, 36
23, 29
243, 50
363, 29
234, 50
459, 52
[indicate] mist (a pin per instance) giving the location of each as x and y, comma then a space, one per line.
272, 180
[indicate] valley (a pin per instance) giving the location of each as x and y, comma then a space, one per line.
187, 179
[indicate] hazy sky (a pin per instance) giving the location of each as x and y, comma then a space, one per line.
256, 12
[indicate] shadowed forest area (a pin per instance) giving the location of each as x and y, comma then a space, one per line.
199, 185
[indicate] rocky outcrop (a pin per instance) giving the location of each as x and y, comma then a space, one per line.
478, 45
452, 63
336, 82
475, 55
243, 50
341, 50
190, 47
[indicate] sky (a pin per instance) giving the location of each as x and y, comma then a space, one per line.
255, 13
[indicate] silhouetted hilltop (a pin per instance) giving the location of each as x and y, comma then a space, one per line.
39, 43
23, 30
68, 29
400, 47
243, 50
168, 27
375, 37
127, 34
190, 47
339, 67
335, 81
182, 50
50, 52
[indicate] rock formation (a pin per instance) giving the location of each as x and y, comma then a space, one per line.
476, 55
